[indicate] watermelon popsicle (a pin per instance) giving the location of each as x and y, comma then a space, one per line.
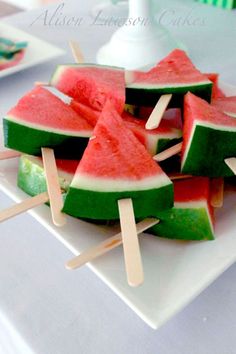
192, 217
205, 133
117, 178
44, 120
174, 75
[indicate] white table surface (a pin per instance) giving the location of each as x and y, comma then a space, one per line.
45, 309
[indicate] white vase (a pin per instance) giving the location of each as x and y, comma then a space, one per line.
138, 43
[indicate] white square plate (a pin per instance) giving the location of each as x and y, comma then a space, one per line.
37, 51
175, 271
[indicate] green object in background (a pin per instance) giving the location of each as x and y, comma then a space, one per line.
9, 48
226, 4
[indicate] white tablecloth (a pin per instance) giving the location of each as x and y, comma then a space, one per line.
45, 309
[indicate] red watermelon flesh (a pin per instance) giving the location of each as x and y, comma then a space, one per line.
91, 84
36, 107
169, 127
226, 105
174, 69
216, 91
123, 161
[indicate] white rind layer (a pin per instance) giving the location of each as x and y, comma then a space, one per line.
216, 126
201, 204
231, 114
166, 85
101, 184
153, 139
80, 133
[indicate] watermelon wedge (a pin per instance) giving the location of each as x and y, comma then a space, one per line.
225, 4
156, 140
16, 58
209, 137
41, 119
31, 176
191, 218
115, 166
226, 105
175, 74
91, 84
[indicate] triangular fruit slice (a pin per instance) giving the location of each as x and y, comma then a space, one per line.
31, 176
209, 137
41, 119
155, 140
115, 165
226, 105
91, 84
175, 74
191, 218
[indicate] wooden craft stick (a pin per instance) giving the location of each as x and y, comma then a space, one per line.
217, 192
76, 51
106, 246
9, 154
133, 262
231, 163
27, 204
177, 176
173, 150
41, 83
158, 112
53, 186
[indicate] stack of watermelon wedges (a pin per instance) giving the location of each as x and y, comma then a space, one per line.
104, 152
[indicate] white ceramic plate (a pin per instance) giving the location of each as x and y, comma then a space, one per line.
37, 51
175, 271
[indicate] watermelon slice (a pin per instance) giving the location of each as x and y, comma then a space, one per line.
31, 176
175, 74
191, 218
168, 133
91, 84
40, 119
209, 137
216, 91
115, 166
226, 105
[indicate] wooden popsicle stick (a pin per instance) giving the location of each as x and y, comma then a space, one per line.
217, 192
173, 150
41, 83
158, 112
76, 51
27, 204
133, 262
177, 176
9, 154
53, 186
106, 246
231, 163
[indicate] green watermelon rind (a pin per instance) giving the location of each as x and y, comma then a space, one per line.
95, 205
148, 96
30, 140
183, 224
31, 177
201, 159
